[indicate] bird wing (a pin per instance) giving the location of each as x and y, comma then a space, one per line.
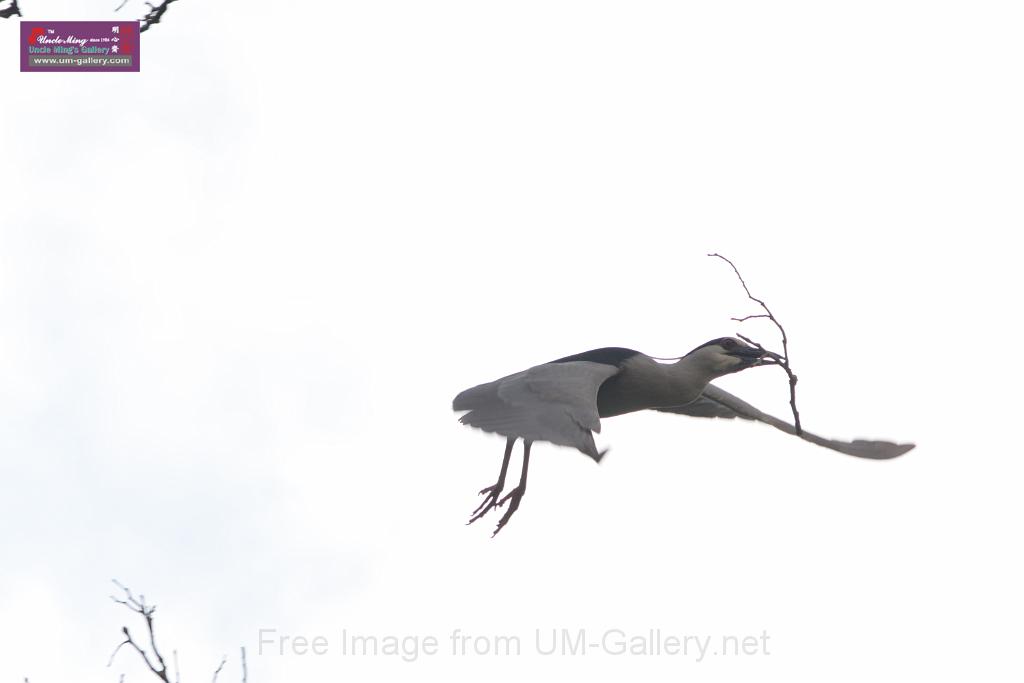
555, 402
715, 402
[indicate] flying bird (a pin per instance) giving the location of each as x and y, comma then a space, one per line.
561, 402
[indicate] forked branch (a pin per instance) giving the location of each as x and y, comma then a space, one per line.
139, 606
153, 16
152, 658
10, 11
782, 360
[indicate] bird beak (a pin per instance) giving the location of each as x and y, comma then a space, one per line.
750, 356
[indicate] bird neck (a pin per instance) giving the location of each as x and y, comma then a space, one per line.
645, 383
686, 379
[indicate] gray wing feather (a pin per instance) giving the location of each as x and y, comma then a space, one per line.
555, 402
715, 402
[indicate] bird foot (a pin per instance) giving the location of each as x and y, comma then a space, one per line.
489, 502
513, 497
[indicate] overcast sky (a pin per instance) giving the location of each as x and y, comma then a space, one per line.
239, 289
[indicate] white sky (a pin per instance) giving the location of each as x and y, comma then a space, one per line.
239, 290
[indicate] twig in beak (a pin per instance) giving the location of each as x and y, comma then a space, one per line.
780, 360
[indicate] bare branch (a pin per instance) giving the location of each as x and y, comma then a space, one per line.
152, 642
139, 606
113, 654
153, 16
154, 663
123, 3
7, 13
780, 360
223, 661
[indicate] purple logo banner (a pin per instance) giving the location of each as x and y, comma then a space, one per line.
79, 45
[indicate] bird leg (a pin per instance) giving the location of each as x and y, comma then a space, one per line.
492, 492
516, 494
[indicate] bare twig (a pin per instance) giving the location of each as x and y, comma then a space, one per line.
153, 16
123, 3
155, 663
780, 360
139, 606
223, 661
10, 10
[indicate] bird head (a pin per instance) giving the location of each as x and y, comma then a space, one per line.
727, 355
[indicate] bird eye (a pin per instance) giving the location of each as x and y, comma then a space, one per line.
728, 343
